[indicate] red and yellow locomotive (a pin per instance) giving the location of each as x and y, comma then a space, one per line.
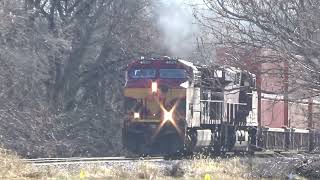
173, 105
155, 105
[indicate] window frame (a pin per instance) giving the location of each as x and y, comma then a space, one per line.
184, 70
149, 77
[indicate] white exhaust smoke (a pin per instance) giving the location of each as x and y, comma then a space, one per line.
177, 26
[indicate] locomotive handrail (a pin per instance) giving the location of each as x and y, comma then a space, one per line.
219, 101
212, 101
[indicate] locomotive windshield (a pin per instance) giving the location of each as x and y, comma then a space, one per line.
172, 73
142, 73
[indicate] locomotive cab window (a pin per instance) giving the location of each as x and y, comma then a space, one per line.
142, 73
172, 73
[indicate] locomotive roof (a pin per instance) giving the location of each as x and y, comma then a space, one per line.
162, 62
168, 62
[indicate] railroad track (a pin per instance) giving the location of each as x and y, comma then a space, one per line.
79, 160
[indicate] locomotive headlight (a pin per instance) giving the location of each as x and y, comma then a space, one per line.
154, 87
136, 115
167, 115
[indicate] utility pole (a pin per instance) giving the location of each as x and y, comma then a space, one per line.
285, 95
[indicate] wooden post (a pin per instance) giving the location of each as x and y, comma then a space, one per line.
310, 124
285, 95
259, 140
310, 112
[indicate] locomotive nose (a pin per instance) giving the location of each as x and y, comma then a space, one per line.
164, 88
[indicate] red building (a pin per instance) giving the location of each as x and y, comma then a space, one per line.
277, 108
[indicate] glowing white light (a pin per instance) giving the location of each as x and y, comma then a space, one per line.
154, 87
136, 115
167, 115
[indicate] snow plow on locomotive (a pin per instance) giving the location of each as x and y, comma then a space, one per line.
172, 106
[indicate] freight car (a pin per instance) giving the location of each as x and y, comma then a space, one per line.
172, 105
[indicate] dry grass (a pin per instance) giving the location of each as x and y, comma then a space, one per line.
217, 169
139, 170
12, 168
197, 169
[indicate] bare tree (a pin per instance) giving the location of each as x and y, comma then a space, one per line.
62, 67
288, 29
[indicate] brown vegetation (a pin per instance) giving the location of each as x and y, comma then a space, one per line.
61, 71
11, 167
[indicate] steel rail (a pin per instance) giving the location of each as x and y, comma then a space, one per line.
92, 160
80, 160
